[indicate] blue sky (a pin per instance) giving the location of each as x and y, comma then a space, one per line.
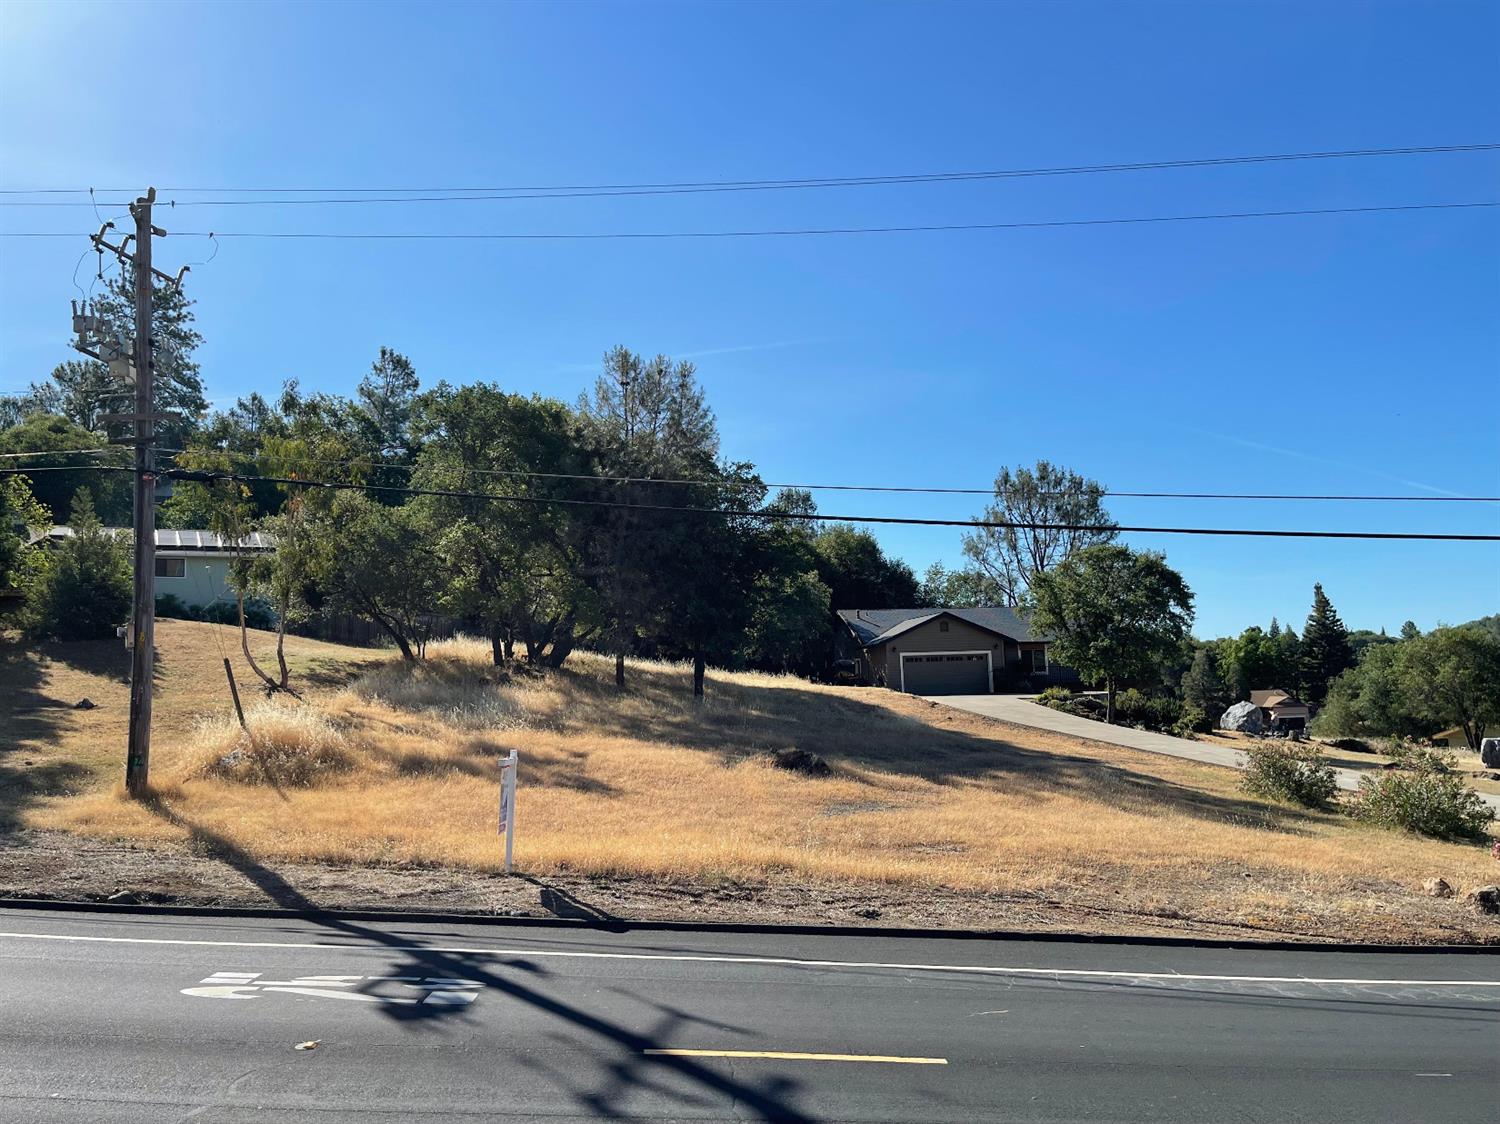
1329, 354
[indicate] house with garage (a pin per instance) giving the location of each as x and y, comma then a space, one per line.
1280, 710
948, 651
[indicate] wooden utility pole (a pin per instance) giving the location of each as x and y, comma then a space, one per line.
143, 616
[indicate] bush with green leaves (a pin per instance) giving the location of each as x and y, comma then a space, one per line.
83, 592
258, 614
1136, 708
1290, 771
1055, 695
1425, 796
1350, 745
1193, 721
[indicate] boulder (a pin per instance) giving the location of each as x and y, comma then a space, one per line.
84, 704
1485, 898
1242, 716
802, 761
1437, 888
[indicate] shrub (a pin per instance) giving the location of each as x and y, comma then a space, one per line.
170, 605
1193, 721
1054, 695
1135, 708
1425, 796
1289, 771
1352, 745
258, 614
83, 592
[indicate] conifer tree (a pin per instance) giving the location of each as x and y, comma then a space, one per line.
1325, 648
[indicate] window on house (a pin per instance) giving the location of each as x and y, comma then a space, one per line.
1038, 660
171, 567
942, 626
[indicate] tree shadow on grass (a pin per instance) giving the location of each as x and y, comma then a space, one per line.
614, 1067
30, 721
855, 734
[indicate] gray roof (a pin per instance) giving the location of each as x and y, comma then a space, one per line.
200, 542
875, 626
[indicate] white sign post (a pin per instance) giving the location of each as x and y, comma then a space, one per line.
508, 805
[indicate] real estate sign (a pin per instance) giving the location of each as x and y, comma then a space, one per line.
508, 805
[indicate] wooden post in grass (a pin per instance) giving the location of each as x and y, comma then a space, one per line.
234, 693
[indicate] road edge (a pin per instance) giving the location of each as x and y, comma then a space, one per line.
622, 925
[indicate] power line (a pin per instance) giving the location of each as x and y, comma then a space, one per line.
560, 191
771, 513
516, 473
54, 453
798, 233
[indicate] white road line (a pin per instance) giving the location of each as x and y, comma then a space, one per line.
795, 1056
773, 961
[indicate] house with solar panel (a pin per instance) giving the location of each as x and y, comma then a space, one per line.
192, 566
948, 651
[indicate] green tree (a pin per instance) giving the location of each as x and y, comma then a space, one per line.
789, 616
648, 422
1050, 495
1250, 662
1369, 700
1451, 676
177, 383
1325, 648
969, 588
518, 566
378, 563
709, 580
1203, 685
386, 397
84, 592
70, 470
858, 573
1114, 613
21, 519
1410, 631
1287, 661
791, 619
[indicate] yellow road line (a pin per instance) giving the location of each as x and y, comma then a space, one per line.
789, 1056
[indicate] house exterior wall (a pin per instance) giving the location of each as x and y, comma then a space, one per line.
205, 579
882, 662
960, 637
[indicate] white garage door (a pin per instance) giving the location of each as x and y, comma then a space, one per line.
958, 673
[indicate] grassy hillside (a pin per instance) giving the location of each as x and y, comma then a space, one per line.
386, 765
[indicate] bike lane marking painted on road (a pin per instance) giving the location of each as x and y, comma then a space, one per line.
441, 991
768, 961
792, 1056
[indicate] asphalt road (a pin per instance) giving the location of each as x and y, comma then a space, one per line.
1020, 710
114, 1018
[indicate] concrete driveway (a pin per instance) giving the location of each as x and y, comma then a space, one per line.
1020, 710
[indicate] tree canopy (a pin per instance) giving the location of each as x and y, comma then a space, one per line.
1114, 613
1056, 511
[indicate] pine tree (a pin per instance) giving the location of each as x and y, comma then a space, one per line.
1203, 685
1325, 648
87, 390
85, 590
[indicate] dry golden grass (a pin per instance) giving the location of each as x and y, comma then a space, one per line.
399, 765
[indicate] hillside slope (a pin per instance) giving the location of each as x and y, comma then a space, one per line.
391, 771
